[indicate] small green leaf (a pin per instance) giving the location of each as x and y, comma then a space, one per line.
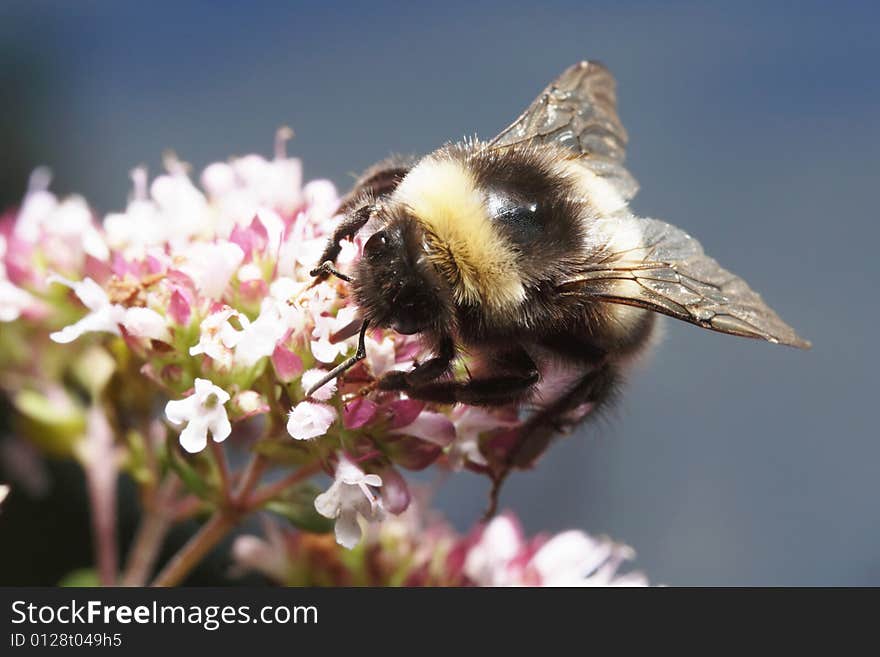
81, 577
93, 369
136, 463
284, 452
297, 504
191, 478
55, 425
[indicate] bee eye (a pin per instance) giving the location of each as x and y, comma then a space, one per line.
376, 245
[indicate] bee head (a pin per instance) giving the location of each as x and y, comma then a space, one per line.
396, 284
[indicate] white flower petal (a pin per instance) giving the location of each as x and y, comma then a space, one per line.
380, 356
37, 207
212, 265
13, 300
94, 245
325, 351
258, 339
194, 437
569, 557
309, 420
372, 480
146, 323
104, 320
348, 473
348, 497
311, 377
204, 389
327, 503
218, 179
488, 560
179, 411
218, 424
347, 529
202, 411
88, 291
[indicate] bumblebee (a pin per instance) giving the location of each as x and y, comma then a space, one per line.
522, 252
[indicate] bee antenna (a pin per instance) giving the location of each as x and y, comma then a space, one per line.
347, 364
327, 268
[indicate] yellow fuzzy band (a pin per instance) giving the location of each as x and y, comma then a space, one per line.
462, 242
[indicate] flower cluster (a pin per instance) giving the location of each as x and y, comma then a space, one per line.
415, 549
197, 299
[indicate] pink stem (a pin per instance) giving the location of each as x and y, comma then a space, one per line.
101, 472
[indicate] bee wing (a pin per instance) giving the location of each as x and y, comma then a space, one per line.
661, 268
578, 111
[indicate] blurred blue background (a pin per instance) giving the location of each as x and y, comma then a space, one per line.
753, 126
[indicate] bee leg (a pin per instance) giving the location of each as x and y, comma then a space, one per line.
596, 388
379, 180
424, 373
347, 229
518, 376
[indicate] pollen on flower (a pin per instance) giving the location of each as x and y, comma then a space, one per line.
107, 317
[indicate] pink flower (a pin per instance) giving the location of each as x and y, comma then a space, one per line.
179, 308
321, 199
470, 423
65, 229
184, 209
431, 427
246, 185
359, 412
146, 323
573, 558
107, 317
211, 265
218, 337
248, 403
287, 363
323, 348
489, 559
259, 339
381, 356
268, 556
252, 239
308, 420
502, 557
395, 492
